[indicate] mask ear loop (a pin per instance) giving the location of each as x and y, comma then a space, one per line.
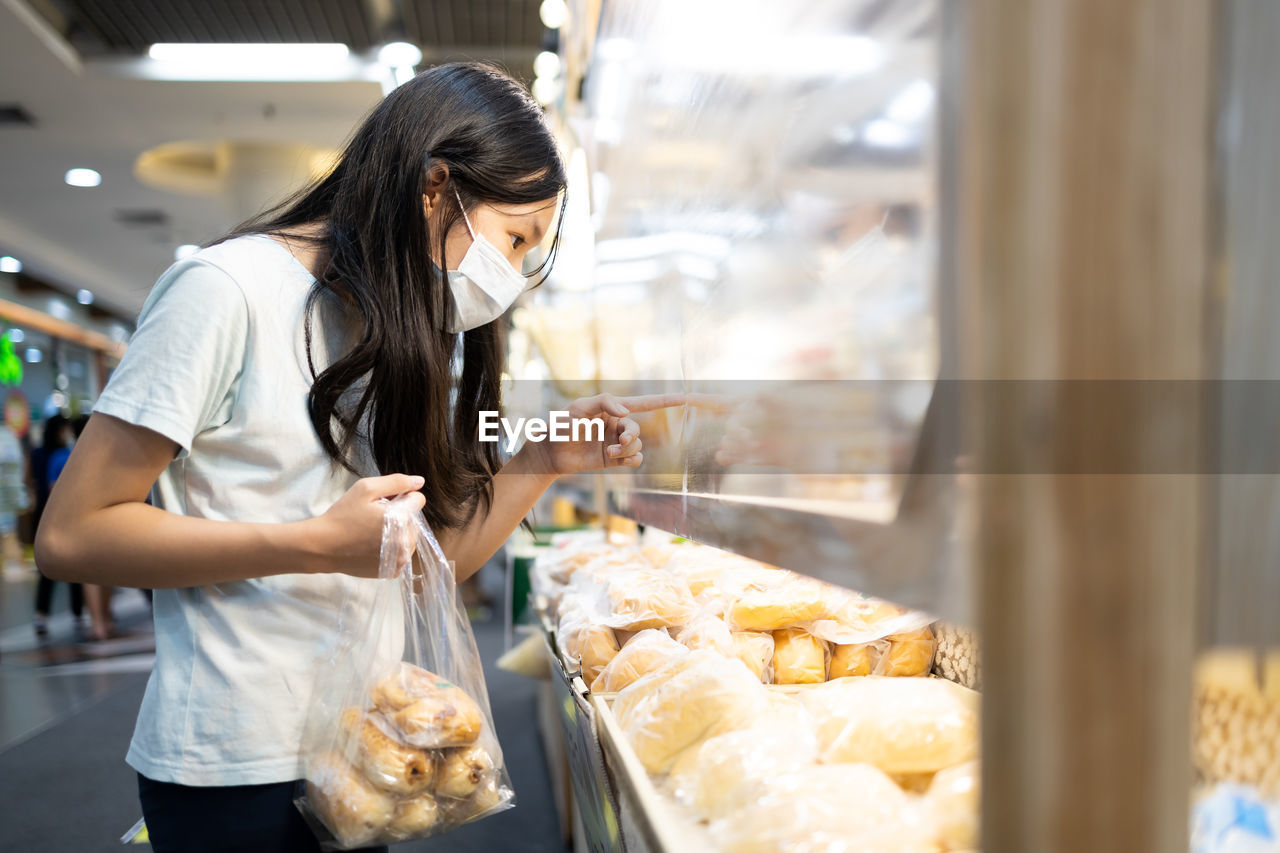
463, 208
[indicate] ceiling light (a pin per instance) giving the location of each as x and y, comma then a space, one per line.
10, 264
186, 250
546, 64
553, 13
82, 178
59, 309
17, 336
399, 54
912, 103
883, 133
84, 297
545, 90
33, 355
256, 61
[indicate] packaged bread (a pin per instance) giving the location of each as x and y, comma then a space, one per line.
901, 725
798, 657
755, 649
486, 797
427, 710
698, 695
855, 659
355, 810
638, 599
711, 778
953, 805
590, 643
707, 631
797, 600
413, 818
385, 761
647, 651
462, 771
836, 807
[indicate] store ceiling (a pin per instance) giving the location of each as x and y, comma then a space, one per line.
62, 106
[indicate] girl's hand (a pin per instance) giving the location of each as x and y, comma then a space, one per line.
348, 537
621, 448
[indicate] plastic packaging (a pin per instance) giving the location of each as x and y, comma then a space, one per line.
901, 725
953, 801
835, 807
696, 696
636, 599
399, 742
589, 643
646, 652
798, 657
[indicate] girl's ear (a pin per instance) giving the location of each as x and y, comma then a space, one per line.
433, 190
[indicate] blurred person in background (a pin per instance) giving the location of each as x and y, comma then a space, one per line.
333, 351
15, 498
57, 439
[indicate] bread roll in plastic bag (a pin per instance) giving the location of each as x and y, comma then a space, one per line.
798, 657
399, 740
589, 643
953, 803
834, 807
636, 599
901, 725
696, 696
647, 651
898, 655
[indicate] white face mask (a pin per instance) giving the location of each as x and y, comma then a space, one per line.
484, 285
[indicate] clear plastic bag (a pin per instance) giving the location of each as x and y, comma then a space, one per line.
399, 742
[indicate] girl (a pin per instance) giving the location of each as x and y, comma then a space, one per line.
280, 383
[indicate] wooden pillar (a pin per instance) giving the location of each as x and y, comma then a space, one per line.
1080, 231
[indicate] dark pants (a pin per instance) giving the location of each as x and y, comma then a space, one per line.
44, 596
250, 818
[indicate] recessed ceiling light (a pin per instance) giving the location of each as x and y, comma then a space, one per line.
34, 356
17, 336
83, 178
553, 13
84, 297
10, 264
186, 250
546, 64
399, 54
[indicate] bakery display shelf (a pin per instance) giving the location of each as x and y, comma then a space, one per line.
651, 823
908, 561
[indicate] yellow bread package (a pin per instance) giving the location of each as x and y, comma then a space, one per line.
796, 600
636, 599
901, 725
755, 649
837, 807
696, 696
712, 777
707, 631
589, 643
355, 811
855, 658
953, 804
898, 655
647, 651
385, 761
428, 710
798, 657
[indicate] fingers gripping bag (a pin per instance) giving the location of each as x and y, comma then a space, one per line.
399, 740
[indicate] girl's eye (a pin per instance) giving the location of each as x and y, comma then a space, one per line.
516, 240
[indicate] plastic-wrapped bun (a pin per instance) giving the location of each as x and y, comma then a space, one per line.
484, 798
353, 809
695, 697
707, 631
591, 644
854, 659
837, 807
388, 763
953, 803
647, 651
797, 600
414, 818
798, 657
711, 778
901, 725
755, 649
639, 599
909, 654
428, 710
462, 771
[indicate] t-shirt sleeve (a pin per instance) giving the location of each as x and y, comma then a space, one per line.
184, 362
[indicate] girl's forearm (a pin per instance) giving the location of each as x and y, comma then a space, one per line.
136, 545
516, 488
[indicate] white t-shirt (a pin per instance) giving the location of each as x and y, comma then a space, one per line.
218, 365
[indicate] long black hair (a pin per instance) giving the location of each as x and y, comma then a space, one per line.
395, 388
